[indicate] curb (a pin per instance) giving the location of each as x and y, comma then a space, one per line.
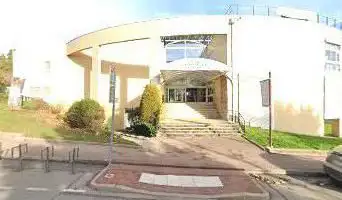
297, 152
254, 143
292, 172
58, 141
235, 196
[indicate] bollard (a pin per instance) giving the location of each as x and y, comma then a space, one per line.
52, 151
12, 152
73, 161
20, 167
41, 155
77, 152
20, 151
47, 167
26, 148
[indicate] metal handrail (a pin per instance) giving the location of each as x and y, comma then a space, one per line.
236, 9
237, 117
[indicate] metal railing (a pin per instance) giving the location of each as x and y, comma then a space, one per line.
237, 117
236, 9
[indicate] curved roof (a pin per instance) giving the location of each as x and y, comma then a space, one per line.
206, 24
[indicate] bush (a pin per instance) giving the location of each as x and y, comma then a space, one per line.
144, 129
151, 105
56, 109
36, 104
85, 114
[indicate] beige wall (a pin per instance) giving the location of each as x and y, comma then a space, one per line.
220, 95
131, 80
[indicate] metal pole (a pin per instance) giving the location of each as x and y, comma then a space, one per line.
270, 110
20, 151
238, 103
73, 161
231, 61
52, 151
324, 97
110, 154
47, 168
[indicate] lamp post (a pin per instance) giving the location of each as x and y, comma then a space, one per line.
112, 99
231, 62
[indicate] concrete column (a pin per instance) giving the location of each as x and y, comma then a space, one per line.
95, 73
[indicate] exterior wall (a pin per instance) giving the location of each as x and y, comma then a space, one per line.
220, 96
296, 60
293, 50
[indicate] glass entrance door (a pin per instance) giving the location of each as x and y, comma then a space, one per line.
176, 95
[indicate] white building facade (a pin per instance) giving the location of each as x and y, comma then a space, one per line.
215, 60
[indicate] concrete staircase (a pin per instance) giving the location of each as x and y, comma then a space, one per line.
190, 111
181, 127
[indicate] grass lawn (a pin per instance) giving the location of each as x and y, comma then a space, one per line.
43, 125
291, 141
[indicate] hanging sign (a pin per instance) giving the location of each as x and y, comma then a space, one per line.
265, 95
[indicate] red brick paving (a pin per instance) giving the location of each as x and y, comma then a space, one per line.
128, 175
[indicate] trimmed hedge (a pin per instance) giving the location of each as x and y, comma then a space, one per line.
85, 114
151, 105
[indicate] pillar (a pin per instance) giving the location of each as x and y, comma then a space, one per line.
95, 73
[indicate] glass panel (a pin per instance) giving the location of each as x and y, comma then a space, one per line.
176, 44
179, 95
171, 95
191, 94
194, 45
201, 95
174, 54
194, 53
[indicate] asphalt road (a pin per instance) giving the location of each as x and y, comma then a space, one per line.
34, 184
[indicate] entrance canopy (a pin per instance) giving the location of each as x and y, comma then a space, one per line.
200, 69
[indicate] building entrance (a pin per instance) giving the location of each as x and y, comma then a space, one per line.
189, 94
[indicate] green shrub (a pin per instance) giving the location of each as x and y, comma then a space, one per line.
85, 114
36, 104
144, 129
151, 105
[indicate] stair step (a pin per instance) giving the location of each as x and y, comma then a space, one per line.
197, 128
186, 132
201, 134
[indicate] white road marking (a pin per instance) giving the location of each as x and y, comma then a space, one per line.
37, 189
181, 181
73, 190
6, 188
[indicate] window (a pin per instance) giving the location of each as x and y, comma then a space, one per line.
184, 49
332, 57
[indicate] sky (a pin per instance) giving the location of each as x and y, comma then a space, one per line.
29, 21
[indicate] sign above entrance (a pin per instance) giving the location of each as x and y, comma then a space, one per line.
194, 64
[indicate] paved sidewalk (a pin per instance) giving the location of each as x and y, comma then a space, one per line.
197, 152
176, 182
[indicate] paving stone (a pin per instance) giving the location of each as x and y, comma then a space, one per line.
147, 178
172, 180
160, 180
186, 181
207, 181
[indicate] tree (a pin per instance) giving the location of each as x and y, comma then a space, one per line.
6, 69
151, 104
